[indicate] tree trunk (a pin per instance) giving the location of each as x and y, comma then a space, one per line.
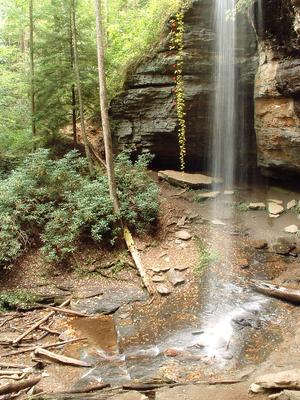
77, 75
104, 111
73, 92
32, 77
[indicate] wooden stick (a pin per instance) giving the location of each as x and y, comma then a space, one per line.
47, 346
16, 387
38, 323
46, 329
66, 311
280, 292
40, 352
5, 365
137, 259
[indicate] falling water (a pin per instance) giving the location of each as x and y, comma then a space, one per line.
224, 116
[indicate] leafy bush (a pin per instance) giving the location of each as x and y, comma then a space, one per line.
56, 203
13, 300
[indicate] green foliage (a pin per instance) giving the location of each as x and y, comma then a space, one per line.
205, 257
17, 299
56, 203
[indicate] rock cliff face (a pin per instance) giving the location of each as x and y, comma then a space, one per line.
144, 115
277, 88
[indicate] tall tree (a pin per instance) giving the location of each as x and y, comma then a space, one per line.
32, 77
73, 93
104, 110
78, 83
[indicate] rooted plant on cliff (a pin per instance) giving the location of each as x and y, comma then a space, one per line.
177, 45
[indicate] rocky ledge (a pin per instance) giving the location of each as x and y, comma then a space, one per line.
277, 88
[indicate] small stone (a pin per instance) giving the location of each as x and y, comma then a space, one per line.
227, 355
195, 333
180, 267
244, 263
155, 269
178, 241
183, 235
193, 216
175, 277
275, 208
291, 229
257, 206
207, 195
291, 204
228, 192
259, 244
217, 222
274, 216
157, 279
132, 395
163, 290
181, 221
172, 352
283, 249
164, 268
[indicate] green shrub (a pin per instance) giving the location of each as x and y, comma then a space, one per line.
57, 203
13, 300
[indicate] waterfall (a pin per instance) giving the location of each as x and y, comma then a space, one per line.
223, 143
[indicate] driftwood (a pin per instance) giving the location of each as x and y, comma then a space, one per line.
7, 365
47, 346
280, 292
38, 323
18, 386
42, 353
137, 260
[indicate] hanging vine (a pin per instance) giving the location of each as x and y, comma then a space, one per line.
177, 45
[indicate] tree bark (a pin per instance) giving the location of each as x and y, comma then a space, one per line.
104, 111
73, 91
32, 76
79, 92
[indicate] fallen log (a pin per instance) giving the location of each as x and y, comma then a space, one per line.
18, 386
38, 323
279, 292
137, 260
42, 353
47, 346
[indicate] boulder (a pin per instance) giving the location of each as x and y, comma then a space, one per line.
291, 204
207, 195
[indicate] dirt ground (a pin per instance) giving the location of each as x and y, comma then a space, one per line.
140, 326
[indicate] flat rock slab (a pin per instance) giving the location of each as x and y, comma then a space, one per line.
274, 208
132, 395
175, 277
291, 229
184, 179
181, 267
279, 202
110, 301
208, 195
183, 235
